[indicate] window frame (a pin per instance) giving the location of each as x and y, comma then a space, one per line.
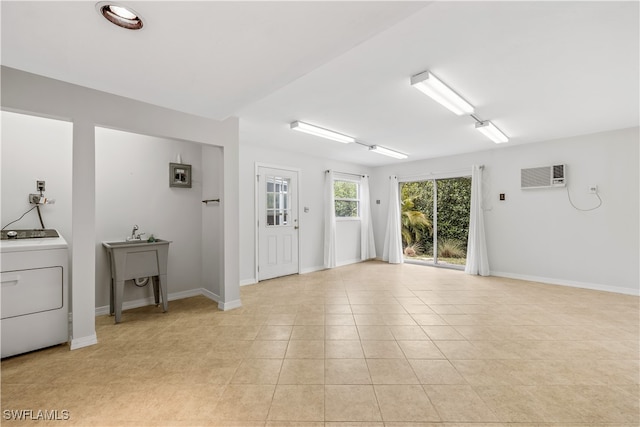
347, 199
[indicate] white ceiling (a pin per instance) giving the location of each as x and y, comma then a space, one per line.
538, 70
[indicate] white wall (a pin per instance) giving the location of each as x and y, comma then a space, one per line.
34, 149
132, 187
347, 241
312, 176
87, 108
537, 234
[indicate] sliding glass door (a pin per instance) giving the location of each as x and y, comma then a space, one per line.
435, 221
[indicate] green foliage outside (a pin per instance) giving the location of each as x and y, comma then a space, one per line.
346, 198
454, 200
415, 223
451, 248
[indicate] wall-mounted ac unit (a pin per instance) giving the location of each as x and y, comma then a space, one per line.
543, 177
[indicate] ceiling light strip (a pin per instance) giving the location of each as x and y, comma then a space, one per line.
387, 152
490, 130
430, 85
329, 134
321, 132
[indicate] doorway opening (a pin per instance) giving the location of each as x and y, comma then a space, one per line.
435, 221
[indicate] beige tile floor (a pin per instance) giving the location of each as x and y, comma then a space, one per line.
370, 344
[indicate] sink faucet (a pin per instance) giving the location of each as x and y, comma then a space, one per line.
135, 236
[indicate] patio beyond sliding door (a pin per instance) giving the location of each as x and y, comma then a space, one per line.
435, 221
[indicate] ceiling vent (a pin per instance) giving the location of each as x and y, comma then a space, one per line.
543, 177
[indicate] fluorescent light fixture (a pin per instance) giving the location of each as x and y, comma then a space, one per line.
387, 152
324, 133
428, 84
492, 132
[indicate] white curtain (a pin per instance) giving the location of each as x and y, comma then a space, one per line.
393, 239
329, 222
477, 259
367, 244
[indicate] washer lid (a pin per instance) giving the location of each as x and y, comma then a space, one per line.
33, 244
37, 233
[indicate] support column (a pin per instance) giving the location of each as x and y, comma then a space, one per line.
83, 248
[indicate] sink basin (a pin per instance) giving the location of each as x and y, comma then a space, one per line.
135, 259
110, 245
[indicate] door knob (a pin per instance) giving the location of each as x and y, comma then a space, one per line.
295, 227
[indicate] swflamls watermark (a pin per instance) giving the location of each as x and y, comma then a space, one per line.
36, 415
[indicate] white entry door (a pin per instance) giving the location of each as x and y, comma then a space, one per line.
277, 222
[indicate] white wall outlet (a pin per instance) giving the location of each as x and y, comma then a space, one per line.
593, 189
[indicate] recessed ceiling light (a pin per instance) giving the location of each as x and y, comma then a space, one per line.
122, 16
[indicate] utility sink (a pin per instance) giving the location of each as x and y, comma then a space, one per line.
110, 245
136, 259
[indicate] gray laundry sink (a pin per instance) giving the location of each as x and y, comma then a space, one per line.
136, 259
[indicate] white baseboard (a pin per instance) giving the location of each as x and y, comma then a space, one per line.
229, 305
81, 342
312, 269
569, 283
253, 280
185, 294
339, 264
142, 302
207, 293
221, 305
246, 282
348, 262
308, 270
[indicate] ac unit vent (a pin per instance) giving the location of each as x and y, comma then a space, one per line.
543, 177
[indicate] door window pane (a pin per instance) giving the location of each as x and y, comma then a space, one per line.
277, 201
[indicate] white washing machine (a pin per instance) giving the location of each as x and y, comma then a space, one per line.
34, 298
